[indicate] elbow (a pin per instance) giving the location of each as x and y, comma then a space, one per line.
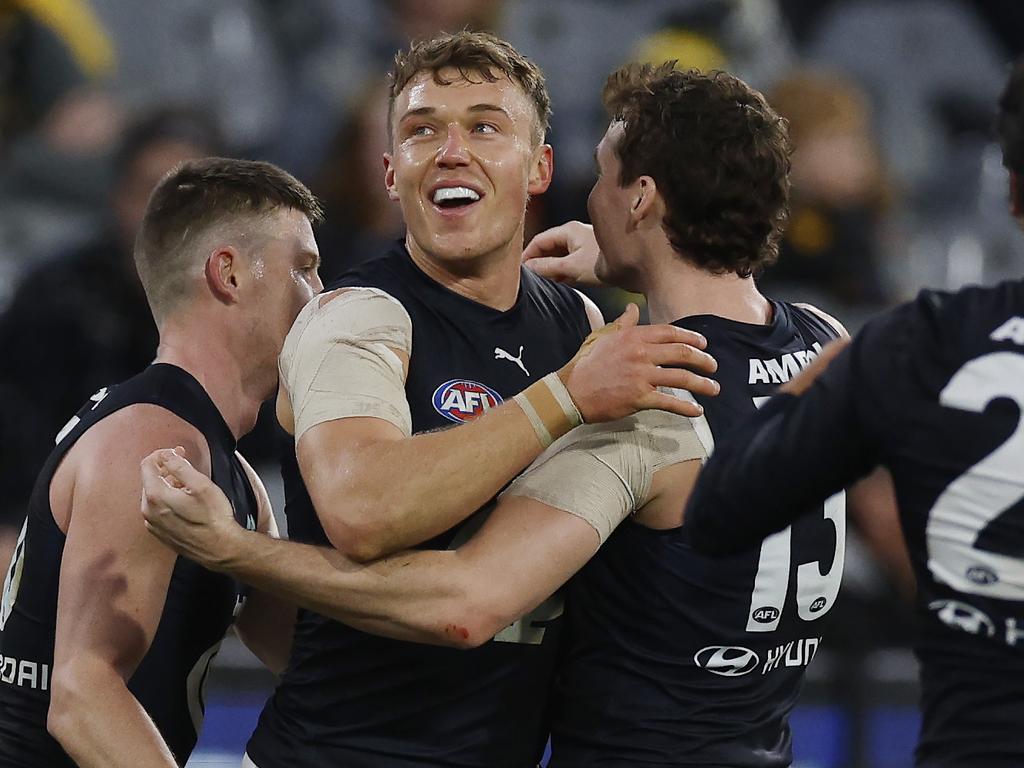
363, 530
478, 619
358, 537
69, 698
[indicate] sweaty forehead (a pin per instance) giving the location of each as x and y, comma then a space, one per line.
423, 91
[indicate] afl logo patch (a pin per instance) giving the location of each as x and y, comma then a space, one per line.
460, 400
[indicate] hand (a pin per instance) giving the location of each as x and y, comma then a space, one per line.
618, 369
566, 254
802, 381
185, 509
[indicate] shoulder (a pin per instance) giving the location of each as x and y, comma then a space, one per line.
348, 314
829, 320
136, 431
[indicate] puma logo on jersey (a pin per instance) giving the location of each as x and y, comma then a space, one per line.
1011, 330
781, 369
501, 354
461, 400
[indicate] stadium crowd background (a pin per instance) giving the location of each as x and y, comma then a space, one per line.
897, 185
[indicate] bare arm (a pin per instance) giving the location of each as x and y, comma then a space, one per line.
349, 464
113, 582
267, 623
526, 549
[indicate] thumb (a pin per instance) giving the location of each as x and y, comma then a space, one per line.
630, 316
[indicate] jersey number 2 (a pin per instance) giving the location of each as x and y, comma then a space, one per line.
983, 492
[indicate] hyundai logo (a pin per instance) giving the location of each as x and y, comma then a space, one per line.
727, 660
963, 616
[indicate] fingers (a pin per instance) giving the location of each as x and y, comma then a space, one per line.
677, 378
670, 334
551, 243
662, 402
551, 267
681, 355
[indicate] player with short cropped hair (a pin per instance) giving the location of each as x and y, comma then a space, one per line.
934, 392
641, 681
106, 634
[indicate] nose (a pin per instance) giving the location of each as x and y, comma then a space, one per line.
455, 151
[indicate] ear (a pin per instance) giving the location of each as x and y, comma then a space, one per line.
645, 202
1016, 203
542, 167
222, 274
389, 177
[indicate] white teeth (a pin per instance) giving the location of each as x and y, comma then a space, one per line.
455, 193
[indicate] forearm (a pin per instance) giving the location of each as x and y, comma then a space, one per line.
445, 476
420, 596
100, 724
777, 466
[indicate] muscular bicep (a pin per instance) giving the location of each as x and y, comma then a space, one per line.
114, 575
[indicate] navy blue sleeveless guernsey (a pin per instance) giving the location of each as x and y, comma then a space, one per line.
169, 681
934, 391
356, 700
676, 659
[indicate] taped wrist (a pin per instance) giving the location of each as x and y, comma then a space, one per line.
550, 409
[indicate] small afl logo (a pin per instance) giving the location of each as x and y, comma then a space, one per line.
460, 400
818, 604
727, 660
981, 574
765, 615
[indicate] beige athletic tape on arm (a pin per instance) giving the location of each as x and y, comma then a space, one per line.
337, 361
602, 472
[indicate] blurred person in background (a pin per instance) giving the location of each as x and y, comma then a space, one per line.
49, 55
360, 222
840, 193
80, 321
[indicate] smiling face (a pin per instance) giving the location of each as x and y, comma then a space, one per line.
463, 165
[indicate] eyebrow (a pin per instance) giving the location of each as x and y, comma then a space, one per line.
420, 111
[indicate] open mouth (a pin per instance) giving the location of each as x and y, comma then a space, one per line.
454, 198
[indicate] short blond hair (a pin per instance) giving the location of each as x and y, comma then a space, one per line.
473, 54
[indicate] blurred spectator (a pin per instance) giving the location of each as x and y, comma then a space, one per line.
831, 246
47, 52
361, 220
81, 322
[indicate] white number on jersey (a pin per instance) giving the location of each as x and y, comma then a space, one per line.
816, 592
984, 491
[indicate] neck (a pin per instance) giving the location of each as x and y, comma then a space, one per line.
210, 358
676, 288
491, 279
